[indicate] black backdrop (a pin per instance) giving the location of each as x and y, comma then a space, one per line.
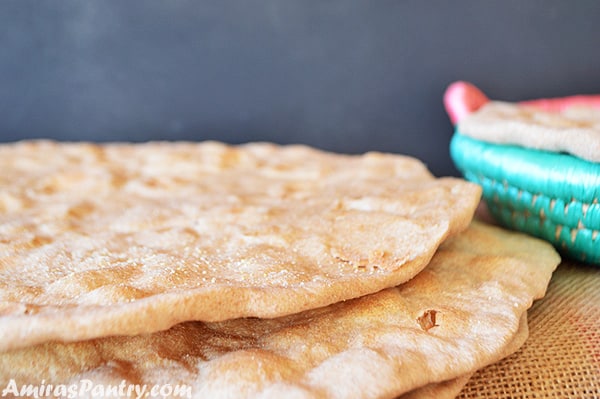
342, 75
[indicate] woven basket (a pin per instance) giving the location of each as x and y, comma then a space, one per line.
549, 195
553, 196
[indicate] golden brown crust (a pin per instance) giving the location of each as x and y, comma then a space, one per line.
480, 283
111, 239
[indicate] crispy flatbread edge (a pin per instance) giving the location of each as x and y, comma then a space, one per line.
137, 317
87, 322
451, 388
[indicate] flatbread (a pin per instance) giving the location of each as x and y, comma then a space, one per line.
454, 317
99, 240
451, 388
442, 390
575, 130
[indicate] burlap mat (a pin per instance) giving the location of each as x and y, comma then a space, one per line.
561, 358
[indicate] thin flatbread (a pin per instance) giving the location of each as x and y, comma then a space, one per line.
117, 239
454, 317
574, 130
451, 388
441, 390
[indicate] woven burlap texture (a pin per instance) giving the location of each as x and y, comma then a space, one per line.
561, 358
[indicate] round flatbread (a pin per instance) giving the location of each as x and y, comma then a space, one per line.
119, 239
451, 388
459, 314
574, 130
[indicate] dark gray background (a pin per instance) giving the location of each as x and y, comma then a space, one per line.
348, 76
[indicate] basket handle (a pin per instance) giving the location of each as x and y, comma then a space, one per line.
560, 104
462, 98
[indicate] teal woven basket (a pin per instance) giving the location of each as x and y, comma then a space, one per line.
553, 196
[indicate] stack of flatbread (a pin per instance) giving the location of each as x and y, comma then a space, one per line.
213, 271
